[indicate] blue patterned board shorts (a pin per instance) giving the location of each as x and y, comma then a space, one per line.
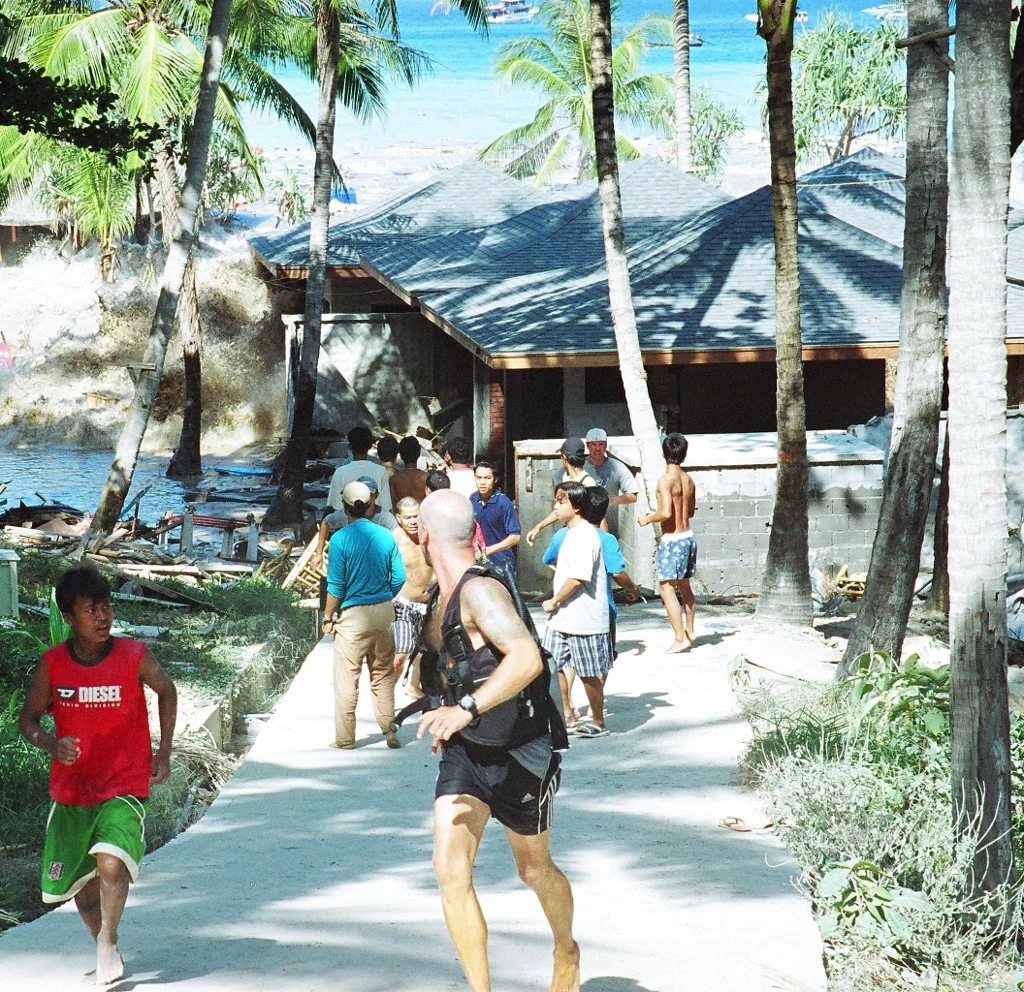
677, 557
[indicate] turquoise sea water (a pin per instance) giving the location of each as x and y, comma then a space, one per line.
462, 101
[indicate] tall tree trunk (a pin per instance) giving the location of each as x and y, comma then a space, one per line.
187, 458
938, 595
786, 583
980, 760
620, 295
126, 456
286, 507
681, 66
896, 553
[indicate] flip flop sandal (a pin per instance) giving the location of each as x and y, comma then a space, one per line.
588, 729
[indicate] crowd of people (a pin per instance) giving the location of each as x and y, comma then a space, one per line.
421, 567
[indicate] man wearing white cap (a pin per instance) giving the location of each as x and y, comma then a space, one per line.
364, 574
610, 473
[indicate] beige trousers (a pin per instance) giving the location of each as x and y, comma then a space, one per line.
363, 633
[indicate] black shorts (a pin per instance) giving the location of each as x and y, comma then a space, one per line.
516, 797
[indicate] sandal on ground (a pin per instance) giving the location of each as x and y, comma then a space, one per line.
589, 729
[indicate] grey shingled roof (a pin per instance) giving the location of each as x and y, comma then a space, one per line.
470, 195
866, 190
548, 242
706, 282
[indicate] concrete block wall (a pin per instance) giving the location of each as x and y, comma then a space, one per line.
735, 479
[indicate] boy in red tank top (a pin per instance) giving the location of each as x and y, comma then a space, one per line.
103, 761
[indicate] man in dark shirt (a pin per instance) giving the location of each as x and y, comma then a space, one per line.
497, 518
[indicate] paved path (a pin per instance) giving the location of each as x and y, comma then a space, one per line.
311, 872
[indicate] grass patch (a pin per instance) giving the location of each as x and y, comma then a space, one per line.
203, 652
857, 776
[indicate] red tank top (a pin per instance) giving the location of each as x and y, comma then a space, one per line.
104, 706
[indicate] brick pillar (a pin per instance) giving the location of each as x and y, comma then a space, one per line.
496, 431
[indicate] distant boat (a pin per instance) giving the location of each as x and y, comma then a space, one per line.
753, 18
887, 11
696, 41
510, 12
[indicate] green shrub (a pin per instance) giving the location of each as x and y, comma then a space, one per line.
858, 780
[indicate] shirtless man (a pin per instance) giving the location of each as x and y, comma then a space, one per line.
677, 551
516, 786
411, 601
412, 480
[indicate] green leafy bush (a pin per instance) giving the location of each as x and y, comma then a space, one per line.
858, 779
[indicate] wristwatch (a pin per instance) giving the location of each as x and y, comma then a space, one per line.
468, 703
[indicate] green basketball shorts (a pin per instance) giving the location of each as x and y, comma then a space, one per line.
76, 834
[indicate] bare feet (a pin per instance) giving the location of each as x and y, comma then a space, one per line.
679, 647
109, 967
566, 976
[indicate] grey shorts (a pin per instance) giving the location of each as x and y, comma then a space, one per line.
589, 655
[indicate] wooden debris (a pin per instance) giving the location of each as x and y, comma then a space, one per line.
304, 576
850, 586
155, 588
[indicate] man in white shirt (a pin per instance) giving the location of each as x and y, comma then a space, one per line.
458, 454
360, 440
578, 616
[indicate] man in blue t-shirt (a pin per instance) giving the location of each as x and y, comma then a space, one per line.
497, 518
364, 574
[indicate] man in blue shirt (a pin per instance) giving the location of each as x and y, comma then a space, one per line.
497, 518
364, 574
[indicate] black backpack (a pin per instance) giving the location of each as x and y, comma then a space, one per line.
460, 669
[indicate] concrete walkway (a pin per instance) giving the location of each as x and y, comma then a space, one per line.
311, 872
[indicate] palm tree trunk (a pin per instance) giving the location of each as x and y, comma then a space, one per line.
938, 595
980, 757
620, 296
187, 458
130, 441
896, 553
286, 507
786, 583
681, 65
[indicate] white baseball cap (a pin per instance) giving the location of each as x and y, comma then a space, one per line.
356, 495
596, 434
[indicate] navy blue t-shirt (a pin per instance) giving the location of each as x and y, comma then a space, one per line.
497, 518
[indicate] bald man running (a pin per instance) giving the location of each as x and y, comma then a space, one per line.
475, 782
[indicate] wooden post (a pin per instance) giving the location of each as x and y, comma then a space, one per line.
9, 583
252, 544
187, 523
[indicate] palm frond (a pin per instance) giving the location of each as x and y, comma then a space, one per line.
90, 50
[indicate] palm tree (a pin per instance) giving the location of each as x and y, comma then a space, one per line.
178, 259
620, 294
979, 192
148, 52
896, 553
559, 69
848, 85
681, 69
786, 583
338, 58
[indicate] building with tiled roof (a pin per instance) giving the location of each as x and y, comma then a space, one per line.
478, 297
